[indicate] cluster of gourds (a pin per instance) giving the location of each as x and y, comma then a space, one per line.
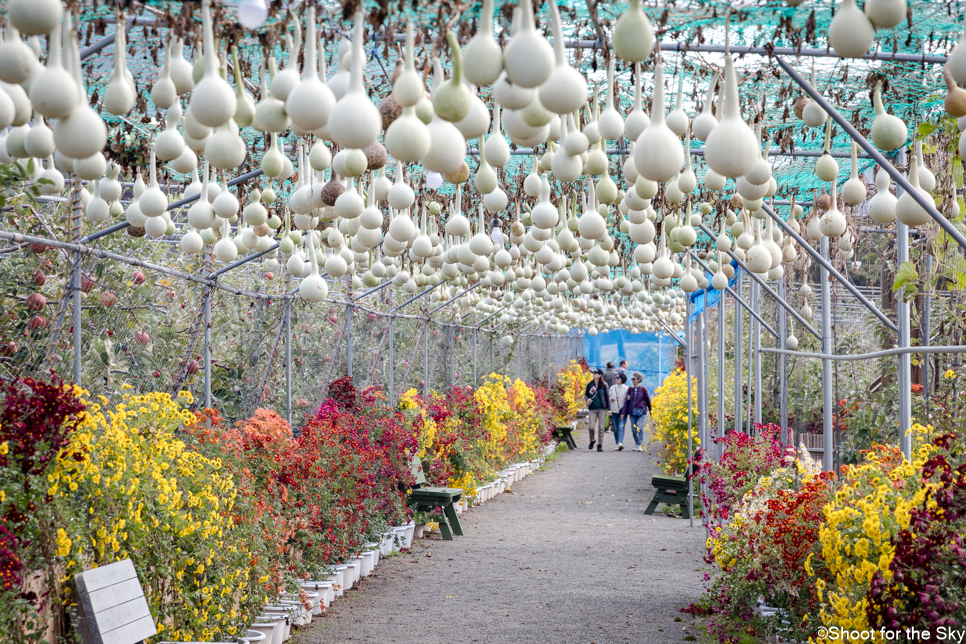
335, 219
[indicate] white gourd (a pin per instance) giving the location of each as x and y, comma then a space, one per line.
731, 149
407, 137
201, 214
226, 149
349, 205
355, 122
565, 91
270, 114
476, 123
496, 200
705, 121
169, 144
273, 163
97, 210
678, 120
528, 58
886, 14
564, 166
687, 180
287, 79
213, 102
633, 35
152, 201
22, 108
813, 115
637, 120
658, 155
35, 17
120, 95
451, 99
485, 178
320, 157
340, 81
510, 96
400, 196
54, 93
851, 32
38, 142
544, 214
164, 93
408, 89
908, 211
714, 181
313, 287
244, 103
497, 149
611, 123
520, 132
827, 168
927, 180
833, 222
180, 69
447, 146
957, 59
91, 168
483, 56
888, 132
17, 60
853, 192
458, 225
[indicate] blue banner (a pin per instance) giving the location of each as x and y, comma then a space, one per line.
652, 354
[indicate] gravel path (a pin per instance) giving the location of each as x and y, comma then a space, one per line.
568, 556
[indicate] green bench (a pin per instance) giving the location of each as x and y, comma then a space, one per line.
672, 490
430, 499
564, 434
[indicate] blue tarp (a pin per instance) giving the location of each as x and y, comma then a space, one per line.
713, 295
650, 353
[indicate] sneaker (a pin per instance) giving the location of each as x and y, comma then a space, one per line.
620, 447
636, 449
591, 446
600, 448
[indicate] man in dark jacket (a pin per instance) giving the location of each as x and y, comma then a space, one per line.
610, 374
598, 402
636, 407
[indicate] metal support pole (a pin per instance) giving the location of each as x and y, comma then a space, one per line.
392, 361
721, 367
926, 202
207, 347
926, 323
905, 359
749, 410
426, 358
75, 279
783, 367
474, 358
703, 376
750, 309
827, 428
687, 384
348, 340
288, 361
756, 342
739, 396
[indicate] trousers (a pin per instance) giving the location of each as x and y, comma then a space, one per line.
596, 421
617, 422
637, 428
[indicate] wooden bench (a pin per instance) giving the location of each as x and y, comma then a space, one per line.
564, 434
112, 606
670, 490
428, 499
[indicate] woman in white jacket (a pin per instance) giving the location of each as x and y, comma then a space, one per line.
618, 396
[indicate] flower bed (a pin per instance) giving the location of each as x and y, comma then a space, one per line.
878, 546
669, 422
221, 517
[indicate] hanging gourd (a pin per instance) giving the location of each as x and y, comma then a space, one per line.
927, 180
813, 114
827, 168
731, 149
164, 93
35, 17
355, 122
270, 114
611, 123
854, 192
53, 92
851, 32
678, 120
565, 91
955, 100
705, 121
888, 132
658, 155
908, 210
633, 36
483, 56
451, 100
212, 100
169, 144
407, 138
528, 58
833, 223
447, 147
637, 120
476, 123
244, 104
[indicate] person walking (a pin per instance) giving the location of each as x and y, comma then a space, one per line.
618, 396
610, 374
636, 406
622, 368
598, 404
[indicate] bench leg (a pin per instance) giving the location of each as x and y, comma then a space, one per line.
453, 519
654, 503
685, 514
571, 443
444, 527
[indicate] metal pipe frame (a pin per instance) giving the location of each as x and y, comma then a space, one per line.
827, 265
885, 353
739, 370
925, 202
674, 335
240, 262
413, 299
371, 291
619, 151
734, 295
827, 348
207, 352
288, 361
905, 341
687, 383
721, 366
756, 353
783, 368
767, 288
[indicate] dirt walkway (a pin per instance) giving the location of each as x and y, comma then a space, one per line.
568, 556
